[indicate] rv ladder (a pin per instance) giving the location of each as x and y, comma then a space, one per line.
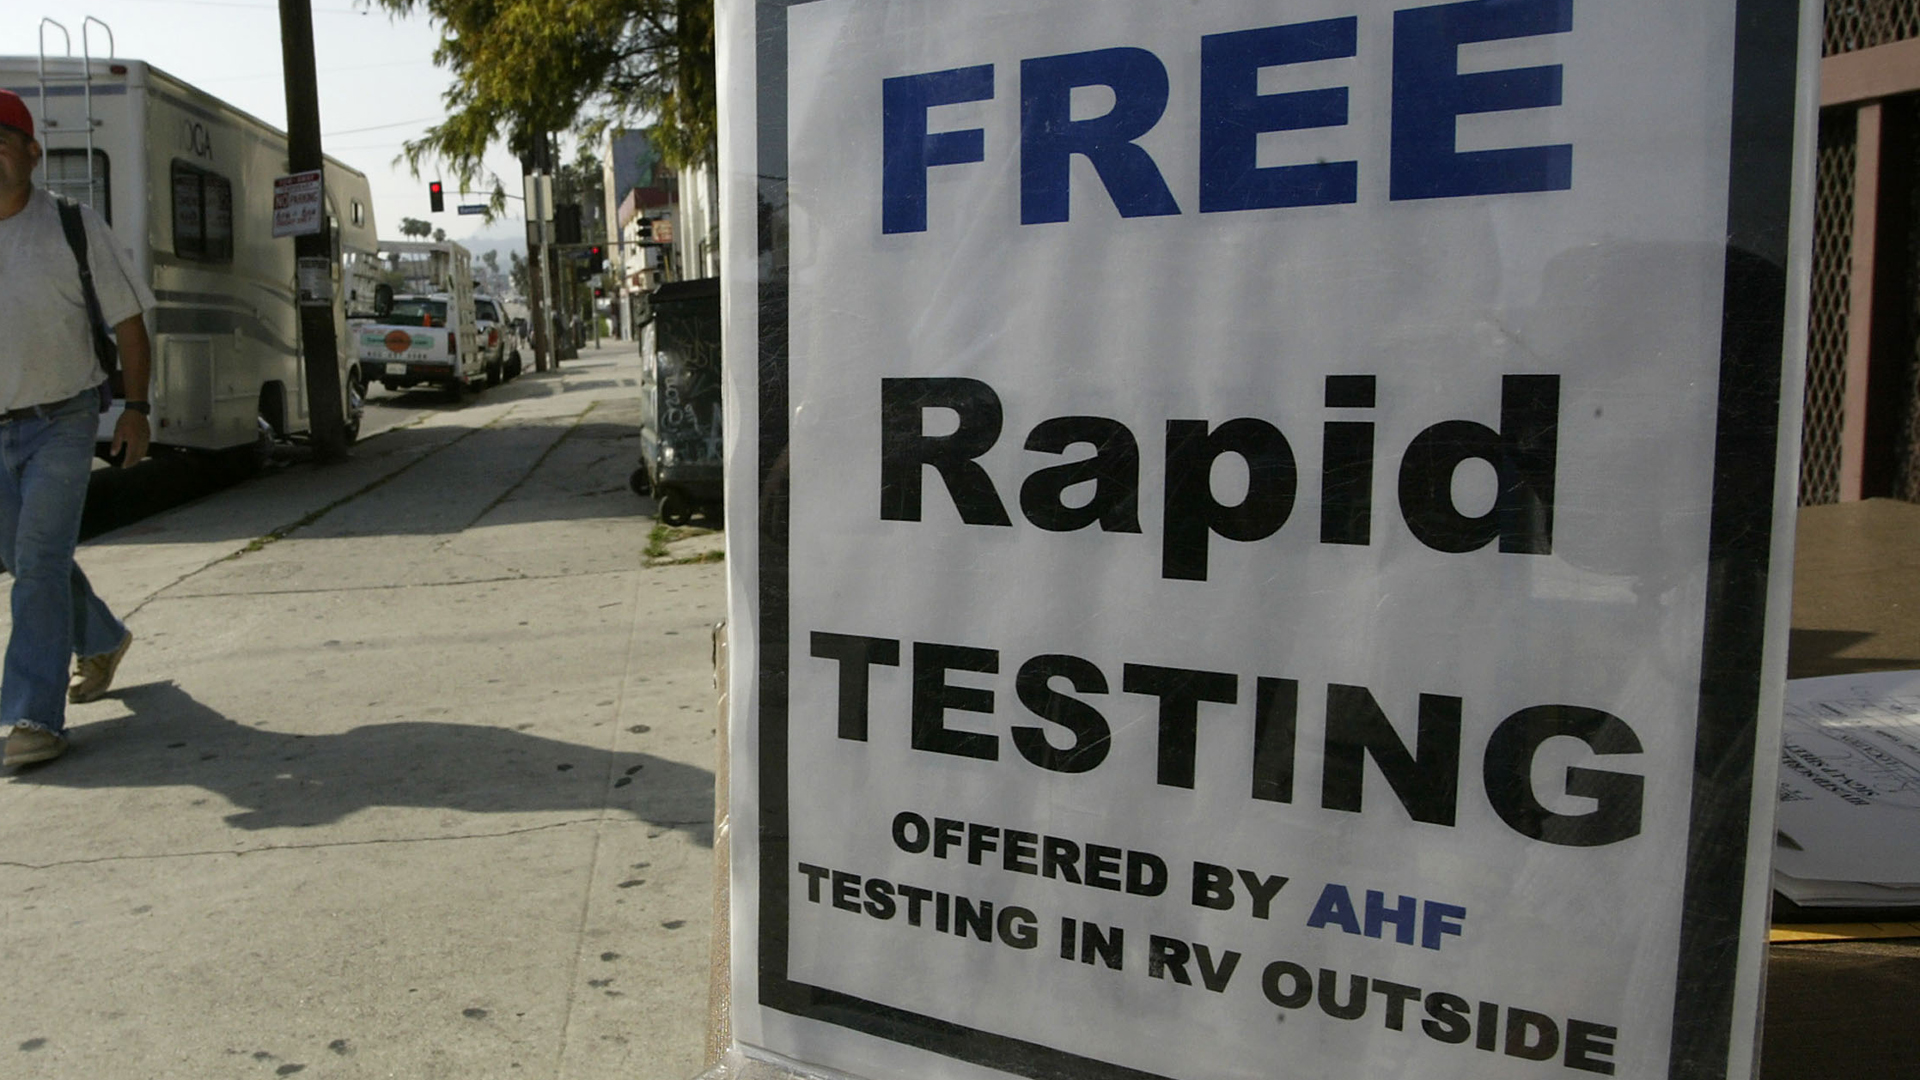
85, 79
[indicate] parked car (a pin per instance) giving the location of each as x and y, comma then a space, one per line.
500, 353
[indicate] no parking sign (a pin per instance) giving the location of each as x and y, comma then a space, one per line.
1259, 532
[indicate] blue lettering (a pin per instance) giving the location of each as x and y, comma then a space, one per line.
1440, 919
1334, 906
1049, 136
1429, 92
1400, 915
1233, 114
908, 150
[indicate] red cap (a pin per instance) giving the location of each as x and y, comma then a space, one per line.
14, 114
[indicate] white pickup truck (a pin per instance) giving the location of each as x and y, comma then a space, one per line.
428, 335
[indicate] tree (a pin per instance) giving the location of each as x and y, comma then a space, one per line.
410, 226
439, 236
522, 67
517, 273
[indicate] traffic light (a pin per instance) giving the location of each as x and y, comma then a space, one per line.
596, 259
435, 198
646, 228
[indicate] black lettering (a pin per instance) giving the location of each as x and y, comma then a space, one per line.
1167, 956
1060, 858
1146, 874
915, 897
1509, 777
1397, 997
1262, 891
947, 834
1180, 692
1449, 1022
1531, 1035
1019, 852
1192, 513
856, 654
1018, 927
880, 903
1114, 470
1346, 476
1295, 998
1092, 738
1587, 1044
980, 840
1103, 867
1276, 711
846, 891
906, 450
933, 696
814, 874
971, 917
1108, 948
1212, 886
1488, 1027
1426, 781
1522, 454
1356, 1004
910, 833
1211, 977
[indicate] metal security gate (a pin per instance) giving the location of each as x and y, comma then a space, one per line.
1829, 306
1861, 434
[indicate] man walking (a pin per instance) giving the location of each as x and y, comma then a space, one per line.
49, 410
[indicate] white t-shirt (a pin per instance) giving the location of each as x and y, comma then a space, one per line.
46, 348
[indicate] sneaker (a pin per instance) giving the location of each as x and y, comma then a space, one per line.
90, 683
30, 744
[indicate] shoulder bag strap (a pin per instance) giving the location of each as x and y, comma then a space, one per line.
75, 227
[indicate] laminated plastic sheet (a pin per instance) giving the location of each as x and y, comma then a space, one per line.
1259, 533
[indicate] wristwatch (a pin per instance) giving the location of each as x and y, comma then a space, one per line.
144, 408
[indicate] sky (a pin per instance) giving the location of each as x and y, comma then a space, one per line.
378, 85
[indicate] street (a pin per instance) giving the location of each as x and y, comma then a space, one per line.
408, 773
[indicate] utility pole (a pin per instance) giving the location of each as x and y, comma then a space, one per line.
539, 206
313, 252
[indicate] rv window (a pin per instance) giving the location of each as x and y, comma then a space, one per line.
202, 215
67, 174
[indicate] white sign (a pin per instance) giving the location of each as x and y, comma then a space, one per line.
1259, 532
297, 206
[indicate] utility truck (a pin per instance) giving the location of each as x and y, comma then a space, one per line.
187, 183
422, 329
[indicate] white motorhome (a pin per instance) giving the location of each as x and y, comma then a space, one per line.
187, 183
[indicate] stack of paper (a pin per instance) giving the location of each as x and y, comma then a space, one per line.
1849, 820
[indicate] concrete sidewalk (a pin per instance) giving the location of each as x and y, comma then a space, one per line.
409, 773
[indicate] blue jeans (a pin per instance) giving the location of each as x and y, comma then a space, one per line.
44, 464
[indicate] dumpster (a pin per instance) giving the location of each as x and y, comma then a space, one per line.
680, 443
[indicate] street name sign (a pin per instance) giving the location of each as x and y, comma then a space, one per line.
473, 208
1260, 533
297, 206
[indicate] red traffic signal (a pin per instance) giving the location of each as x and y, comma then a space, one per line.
596, 259
435, 198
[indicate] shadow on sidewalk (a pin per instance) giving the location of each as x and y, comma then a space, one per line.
293, 781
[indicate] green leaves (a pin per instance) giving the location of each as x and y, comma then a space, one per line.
524, 66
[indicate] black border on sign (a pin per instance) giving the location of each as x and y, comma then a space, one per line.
1753, 328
